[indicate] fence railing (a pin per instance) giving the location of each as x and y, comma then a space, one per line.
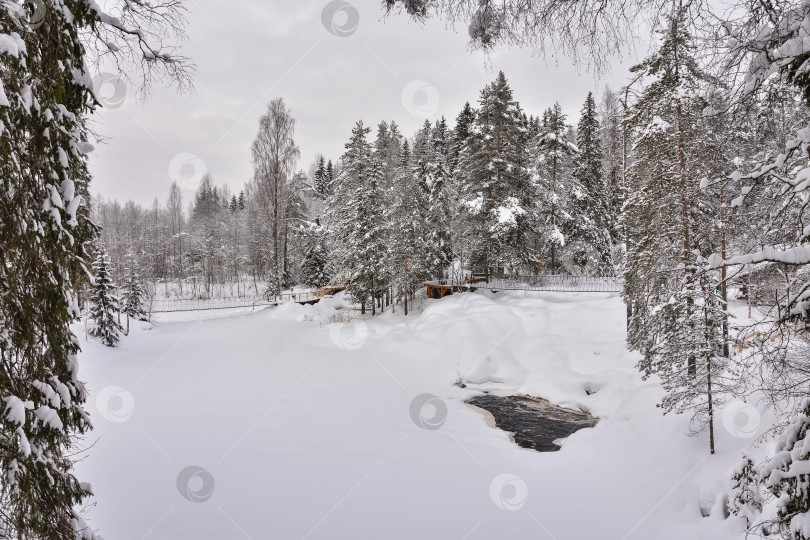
166, 305
560, 283
306, 296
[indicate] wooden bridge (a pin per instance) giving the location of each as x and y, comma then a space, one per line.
337, 284
559, 283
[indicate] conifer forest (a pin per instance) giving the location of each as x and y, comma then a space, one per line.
561, 291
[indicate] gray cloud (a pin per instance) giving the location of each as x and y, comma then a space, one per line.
254, 50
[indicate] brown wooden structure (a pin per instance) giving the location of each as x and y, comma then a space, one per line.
537, 264
337, 284
441, 288
437, 289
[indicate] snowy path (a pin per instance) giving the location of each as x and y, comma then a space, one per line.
302, 437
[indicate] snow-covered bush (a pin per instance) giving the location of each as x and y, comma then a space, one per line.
787, 476
745, 497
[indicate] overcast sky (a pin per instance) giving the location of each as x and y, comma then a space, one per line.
249, 52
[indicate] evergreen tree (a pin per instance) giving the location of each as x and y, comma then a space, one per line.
464, 125
315, 264
409, 225
370, 278
330, 177
588, 229
440, 201
207, 221
321, 179
132, 291
387, 152
614, 145
440, 140
47, 100
496, 185
745, 497
105, 303
355, 212
553, 153
787, 477
676, 314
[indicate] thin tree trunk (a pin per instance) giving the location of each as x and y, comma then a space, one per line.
709, 379
723, 271
406, 284
687, 244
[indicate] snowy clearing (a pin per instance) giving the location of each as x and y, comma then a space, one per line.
300, 429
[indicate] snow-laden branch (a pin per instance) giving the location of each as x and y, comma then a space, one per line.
793, 256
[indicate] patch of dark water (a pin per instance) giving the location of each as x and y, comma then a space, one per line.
534, 423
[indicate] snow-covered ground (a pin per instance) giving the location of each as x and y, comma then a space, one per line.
300, 429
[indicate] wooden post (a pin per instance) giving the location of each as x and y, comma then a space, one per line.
748, 291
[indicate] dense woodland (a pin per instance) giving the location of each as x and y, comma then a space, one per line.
671, 183
492, 193
691, 183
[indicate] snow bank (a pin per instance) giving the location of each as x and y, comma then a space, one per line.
505, 370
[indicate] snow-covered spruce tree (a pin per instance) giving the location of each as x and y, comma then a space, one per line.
315, 264
676, 317
409, 226
369, 240
745, 496
45, 101
207, 234
440, 200
132, 292
355, 220
105, 304
588, 229
386, 151
331, 174
553, 153
495, 184
461, 131
428, 197
321, 179
614, 146
386, 148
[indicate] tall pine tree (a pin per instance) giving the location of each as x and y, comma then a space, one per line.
495, 184
675, 313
